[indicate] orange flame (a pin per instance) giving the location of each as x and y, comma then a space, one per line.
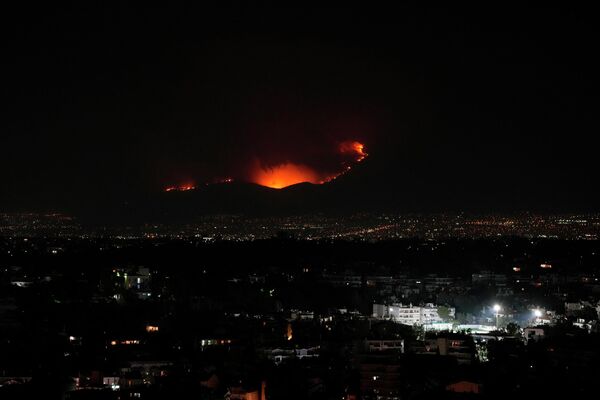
283, 175
180, 188
286, 174
289, 173
354, 147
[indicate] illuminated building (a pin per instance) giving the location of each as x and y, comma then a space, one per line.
409, 314
374, 345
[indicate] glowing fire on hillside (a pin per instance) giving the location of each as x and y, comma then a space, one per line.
287, 174
180, 188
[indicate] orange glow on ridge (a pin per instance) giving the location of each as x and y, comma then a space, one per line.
283, 175
286, 174
354, 147
180, 188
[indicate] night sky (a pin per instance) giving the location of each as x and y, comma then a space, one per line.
459, 108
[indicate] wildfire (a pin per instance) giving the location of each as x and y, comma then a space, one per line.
354, 147
286, 174
283, 175
290, 173
180, 188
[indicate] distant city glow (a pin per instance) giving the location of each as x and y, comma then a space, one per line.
214, 342
125, 342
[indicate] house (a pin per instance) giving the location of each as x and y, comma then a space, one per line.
381, 376
412, 315
457, 346
385, 345
533, 333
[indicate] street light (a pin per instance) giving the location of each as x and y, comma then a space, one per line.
497, 309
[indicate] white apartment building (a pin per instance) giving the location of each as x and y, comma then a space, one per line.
409, 314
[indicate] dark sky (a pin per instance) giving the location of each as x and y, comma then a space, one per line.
489, 108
